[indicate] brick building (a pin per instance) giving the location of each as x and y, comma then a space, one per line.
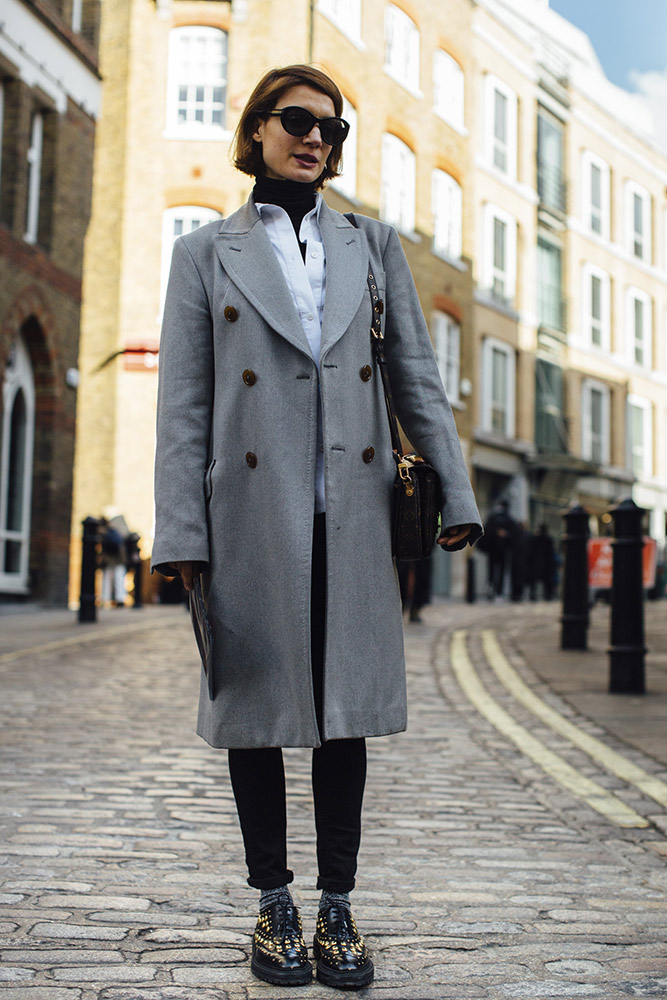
49, 99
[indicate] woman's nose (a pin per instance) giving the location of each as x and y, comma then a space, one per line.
314, 136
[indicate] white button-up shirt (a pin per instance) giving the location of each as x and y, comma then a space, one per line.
305, 280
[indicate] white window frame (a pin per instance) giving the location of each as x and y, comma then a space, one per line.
633, 239
398, 183
188, 215
448, 90
18, 377
640, 457
77, 15
447, 207
490, 272
588, 210
192, 129
588, 321
401, 48
34, 176
494, 145
645, 343
345, 14
590, 386
447, 340
490, 345
346, 184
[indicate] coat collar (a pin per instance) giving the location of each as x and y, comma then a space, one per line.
245, 252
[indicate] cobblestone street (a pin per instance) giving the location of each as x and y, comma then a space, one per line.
506, 853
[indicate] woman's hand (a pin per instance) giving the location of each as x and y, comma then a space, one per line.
187, 571
455, 534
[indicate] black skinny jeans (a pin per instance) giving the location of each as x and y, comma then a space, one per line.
338, 774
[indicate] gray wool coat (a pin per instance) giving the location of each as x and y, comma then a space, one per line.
235, 474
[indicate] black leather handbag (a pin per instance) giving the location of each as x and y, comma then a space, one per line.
417, 492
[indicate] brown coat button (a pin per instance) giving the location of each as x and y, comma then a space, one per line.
366, 373
231, 314
251, 459
249, 377
368, 455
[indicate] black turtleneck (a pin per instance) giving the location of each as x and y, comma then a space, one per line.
295, 197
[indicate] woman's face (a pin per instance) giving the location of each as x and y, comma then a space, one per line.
289, 157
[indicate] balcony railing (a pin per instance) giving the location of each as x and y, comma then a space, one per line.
552, 308
551, 188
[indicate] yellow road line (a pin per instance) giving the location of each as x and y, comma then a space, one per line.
596, 749
595, 795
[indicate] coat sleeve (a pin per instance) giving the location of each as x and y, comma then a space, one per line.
185, 400
419, 396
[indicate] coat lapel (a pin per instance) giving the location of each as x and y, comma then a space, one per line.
346, 252
245, 252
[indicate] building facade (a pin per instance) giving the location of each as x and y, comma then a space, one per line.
49, 100
527, 190
571, 280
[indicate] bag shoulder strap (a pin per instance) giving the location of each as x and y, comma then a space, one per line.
377, 342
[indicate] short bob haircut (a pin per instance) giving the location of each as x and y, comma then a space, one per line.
246, 152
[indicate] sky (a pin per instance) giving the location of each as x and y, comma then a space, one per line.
629, 36
630, 40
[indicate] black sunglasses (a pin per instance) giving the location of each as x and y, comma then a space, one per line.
298, 121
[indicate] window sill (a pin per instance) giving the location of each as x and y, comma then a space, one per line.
414, 91
452, 261
484, 298
461, 129
355, 40
352, 198
200, 135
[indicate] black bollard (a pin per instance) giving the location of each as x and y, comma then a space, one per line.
87, 608
133, 555
627, 650
138, 597
574, 621
471, 595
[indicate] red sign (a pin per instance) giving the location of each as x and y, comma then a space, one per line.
600, 562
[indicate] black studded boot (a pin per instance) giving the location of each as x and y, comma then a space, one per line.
279, 953
342, 959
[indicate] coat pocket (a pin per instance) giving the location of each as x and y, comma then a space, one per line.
208, 481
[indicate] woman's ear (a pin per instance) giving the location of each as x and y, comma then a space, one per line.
258, 134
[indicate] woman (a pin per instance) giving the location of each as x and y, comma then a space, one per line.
273, 482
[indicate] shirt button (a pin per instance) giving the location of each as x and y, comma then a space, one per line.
310, 317
314, 253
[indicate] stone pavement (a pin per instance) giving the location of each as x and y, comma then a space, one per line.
481, 876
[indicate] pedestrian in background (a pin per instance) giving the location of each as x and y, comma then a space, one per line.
544, 564
499, 534
414, 580
274, 476
112, 563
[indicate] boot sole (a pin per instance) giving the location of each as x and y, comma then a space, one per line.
282, 977
355, 980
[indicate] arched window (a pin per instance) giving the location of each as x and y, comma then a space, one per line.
18, 432
197, 82
177, 222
